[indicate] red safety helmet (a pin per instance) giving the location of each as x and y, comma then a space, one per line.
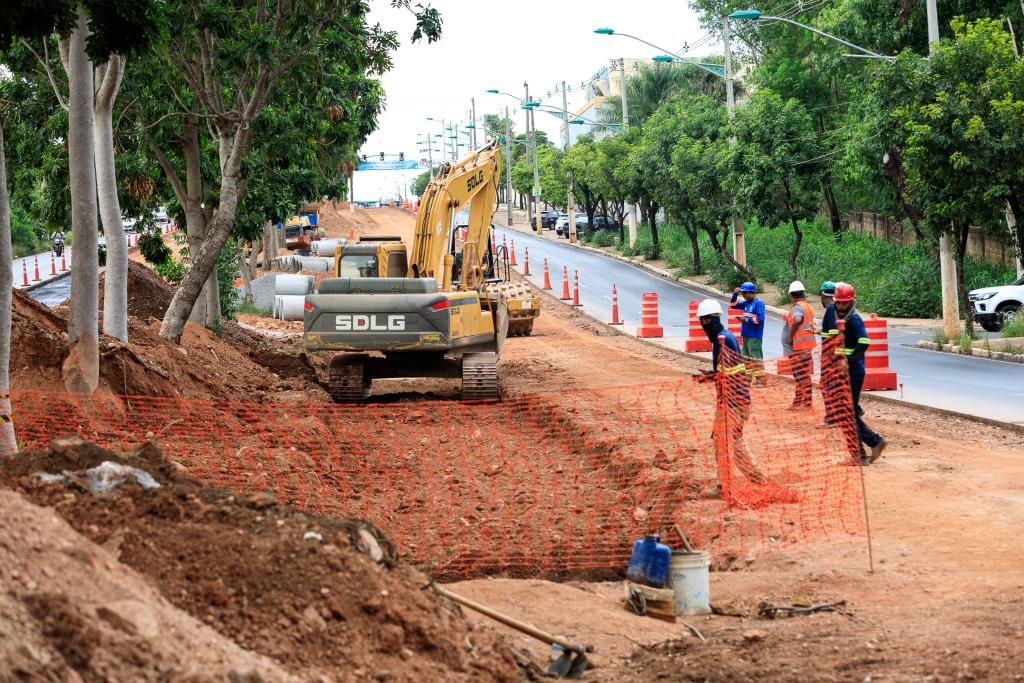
844, 293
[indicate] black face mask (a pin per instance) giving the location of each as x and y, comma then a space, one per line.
712, 327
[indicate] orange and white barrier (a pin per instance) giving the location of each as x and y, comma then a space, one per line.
547, 276
63, 265
696, 340
565, 284
735, 325
878, 375
526, 260
36, 278
53, 263
24, 274
649, 326
575, 287
512, 255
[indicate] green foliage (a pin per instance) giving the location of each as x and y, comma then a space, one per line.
227, 271
605, 238
153, 249
252, 309
1015, 328
419, 183
25, 237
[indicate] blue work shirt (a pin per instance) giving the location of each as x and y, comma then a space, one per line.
737, 380
753, 316
855, 336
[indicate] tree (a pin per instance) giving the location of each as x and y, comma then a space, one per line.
956, 121
610, 154
775, 171
419, 183
229, 57
580, 160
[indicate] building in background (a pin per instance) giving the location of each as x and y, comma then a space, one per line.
602, 85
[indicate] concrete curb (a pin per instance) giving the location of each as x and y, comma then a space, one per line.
977, 353
1014, 427
49, 280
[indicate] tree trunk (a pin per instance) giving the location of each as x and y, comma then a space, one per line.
719, 246
695, 248
796, 245
115, 284
826, 186
8, 441
1017, 210
960, 233
81, 367
652, 212
269, 245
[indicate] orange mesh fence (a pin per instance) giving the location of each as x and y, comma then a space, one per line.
551, 485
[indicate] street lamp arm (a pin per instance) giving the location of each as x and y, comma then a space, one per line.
676, 57
866, 51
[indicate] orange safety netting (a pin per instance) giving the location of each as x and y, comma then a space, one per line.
544, 485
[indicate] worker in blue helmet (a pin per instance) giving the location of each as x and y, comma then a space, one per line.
749, 308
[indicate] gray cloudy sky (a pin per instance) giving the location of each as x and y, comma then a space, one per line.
500, 44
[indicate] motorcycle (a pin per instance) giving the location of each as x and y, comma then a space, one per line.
58, 245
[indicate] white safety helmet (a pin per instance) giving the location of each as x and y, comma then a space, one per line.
796, 286
709, 307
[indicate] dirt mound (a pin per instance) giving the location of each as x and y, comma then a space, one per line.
203, 366
322, 596
71, 612
148, 294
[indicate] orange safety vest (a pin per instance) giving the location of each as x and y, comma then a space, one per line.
804, 338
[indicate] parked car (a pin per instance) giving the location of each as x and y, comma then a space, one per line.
128, 224
160, 216
562, 225
581, 222
995, 307
548, 219
601, 222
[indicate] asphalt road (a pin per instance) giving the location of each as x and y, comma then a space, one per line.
965, 384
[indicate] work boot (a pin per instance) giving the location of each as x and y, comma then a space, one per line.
876, 450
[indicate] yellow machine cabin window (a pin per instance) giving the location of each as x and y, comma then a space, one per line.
397, 264
358, 265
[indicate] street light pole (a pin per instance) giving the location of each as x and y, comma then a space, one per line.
526, 110
630, 207
739, 244
947, 266
570, 200
472, 104
508, 167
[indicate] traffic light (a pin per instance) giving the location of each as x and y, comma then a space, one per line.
382, 156
401, 156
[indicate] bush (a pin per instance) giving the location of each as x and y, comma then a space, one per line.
25, 238
605, 238
1015, 328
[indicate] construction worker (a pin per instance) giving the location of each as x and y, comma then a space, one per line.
750, 311
798, 342
733, 387
855, 344
828, 361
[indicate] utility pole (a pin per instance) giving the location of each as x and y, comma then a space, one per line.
508, 167
472, 131
630, 207
526, 110
430, 156
570, 200
739, 245
535, 199
947, 266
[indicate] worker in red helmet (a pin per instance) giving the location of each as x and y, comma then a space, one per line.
855, 345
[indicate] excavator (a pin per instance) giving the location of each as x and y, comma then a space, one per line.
440, 309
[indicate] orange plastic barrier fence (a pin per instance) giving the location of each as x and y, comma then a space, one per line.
552, 485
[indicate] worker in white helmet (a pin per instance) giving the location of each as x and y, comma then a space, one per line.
732, 383
798, 343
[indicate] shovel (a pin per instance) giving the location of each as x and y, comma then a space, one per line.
572, 661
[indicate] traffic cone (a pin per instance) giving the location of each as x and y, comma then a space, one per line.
494, 243
547, 276
526, 260
24, 274
615, 307
649, 326
63, 266
53, 263
512, 255
575, 288
36, 278
565, 284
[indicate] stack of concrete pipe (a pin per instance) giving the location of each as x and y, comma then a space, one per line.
290, 295
327, 247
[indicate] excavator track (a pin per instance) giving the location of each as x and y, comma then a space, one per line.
479, 376
345, 382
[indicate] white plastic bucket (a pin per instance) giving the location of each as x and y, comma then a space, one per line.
688, 577
293, 284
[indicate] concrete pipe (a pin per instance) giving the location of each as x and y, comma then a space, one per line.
293, 284
326, 247
315, 264
289, 306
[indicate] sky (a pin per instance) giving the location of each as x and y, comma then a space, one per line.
502, 44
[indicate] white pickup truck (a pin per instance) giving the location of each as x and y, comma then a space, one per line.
995, 307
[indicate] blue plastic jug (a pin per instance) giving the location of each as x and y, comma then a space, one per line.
649, 562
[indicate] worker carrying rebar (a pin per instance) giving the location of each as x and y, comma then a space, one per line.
732, 384
855, 345
798, 343
749, 308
